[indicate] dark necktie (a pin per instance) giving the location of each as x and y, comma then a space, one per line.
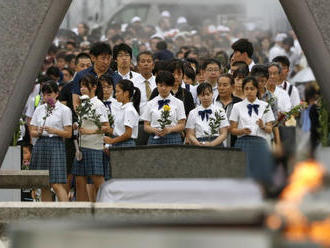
205, 113
161, 103
253, 106
108, 104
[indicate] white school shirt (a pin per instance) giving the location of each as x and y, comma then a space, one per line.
201, 126
127, 116
152, 113
294, 97
139, 82
114, 106
60, 117
94, 141
193, 91
129, 75
240, 114
283, 100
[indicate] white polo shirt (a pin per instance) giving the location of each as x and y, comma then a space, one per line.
60, 117
283, 100
294, 97
139, 82
201, 126
240, 115
152, 113
129, 117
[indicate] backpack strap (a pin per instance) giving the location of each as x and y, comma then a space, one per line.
290, 90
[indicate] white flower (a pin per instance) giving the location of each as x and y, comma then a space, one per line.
84, 97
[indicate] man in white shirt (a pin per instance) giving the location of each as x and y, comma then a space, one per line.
122, 54
283, 83
146, 83
212, 71
283, 99
243, 51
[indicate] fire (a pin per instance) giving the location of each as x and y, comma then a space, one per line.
307, 177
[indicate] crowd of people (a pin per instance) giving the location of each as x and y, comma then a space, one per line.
161, 85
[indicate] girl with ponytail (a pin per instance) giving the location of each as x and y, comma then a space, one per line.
127, 119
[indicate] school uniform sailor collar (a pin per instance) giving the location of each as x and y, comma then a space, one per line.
246, 101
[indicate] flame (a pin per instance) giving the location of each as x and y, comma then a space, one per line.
307, 177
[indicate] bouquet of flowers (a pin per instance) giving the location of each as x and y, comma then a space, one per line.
164, 118
215, 123
85, 112
111, 119
287, 115
50, 106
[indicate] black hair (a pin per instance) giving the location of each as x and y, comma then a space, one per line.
108, 79
279, 67
210, 61
134, 92
49, 87
193, 61
283, 60
241, 65
165, 77
144, 53
175, 64
42, 79
243, 45
81, 56
60, 55
228, 75
68, 70
122, 47
241, 72
160, 65
53, 71
99, 48
71, 43
189, 72
116, 38
312, 90
69, 57
260, 71
248, 80
161, 45
203, 87
89, 81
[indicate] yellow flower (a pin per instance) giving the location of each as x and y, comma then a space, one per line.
167, 108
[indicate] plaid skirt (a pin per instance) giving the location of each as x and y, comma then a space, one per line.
49, 154
126, 143
205, 139
91, 163
170, 139
260, 163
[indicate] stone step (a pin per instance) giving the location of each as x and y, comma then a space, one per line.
10, 179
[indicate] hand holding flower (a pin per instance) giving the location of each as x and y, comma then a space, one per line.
50, 130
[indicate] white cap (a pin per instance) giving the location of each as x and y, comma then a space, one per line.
166, 13
280, 37
136, 19
181, 20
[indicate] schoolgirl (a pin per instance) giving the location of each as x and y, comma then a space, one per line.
251, 121
198, 125
126, 122
91, 140
171, 133
50, 129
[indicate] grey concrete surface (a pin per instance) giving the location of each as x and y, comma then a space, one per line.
180, 161
23, 179
27, 28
